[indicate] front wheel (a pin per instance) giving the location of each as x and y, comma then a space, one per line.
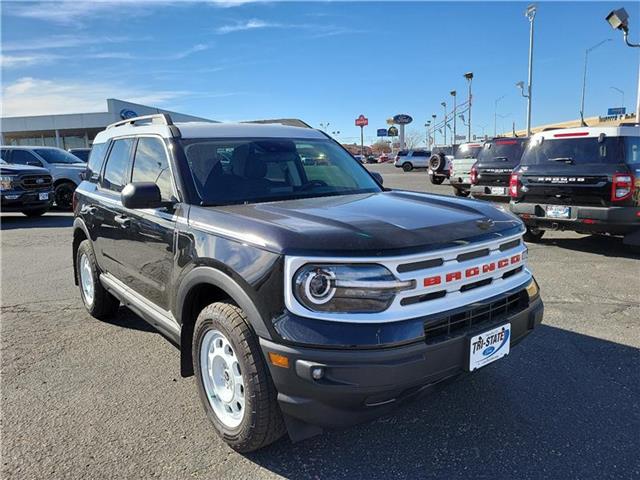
533, 235
407, 167
458, 192
436, 180
233, 380
63, 194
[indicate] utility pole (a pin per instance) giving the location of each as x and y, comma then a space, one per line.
469, 77
434, 128
444, 105
530, 13
453, 94
495, 115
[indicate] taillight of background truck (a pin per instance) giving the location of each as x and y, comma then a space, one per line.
514, 185
474, 175
622, 187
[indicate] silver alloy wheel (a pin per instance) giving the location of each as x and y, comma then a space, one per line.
222, 378
86, 279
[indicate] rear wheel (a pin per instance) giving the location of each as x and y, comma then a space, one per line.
436, 180
97, 300
533, 234
36, 212
233, 379
407, 167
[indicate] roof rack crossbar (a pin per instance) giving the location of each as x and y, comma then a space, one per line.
163, 118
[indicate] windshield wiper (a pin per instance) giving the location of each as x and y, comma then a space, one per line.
562, 159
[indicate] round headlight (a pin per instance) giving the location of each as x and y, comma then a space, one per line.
319, 285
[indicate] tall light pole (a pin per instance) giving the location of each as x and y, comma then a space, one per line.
453, 94
584, 77
621, 92
469, 77
434, 127
324, 126
530, 13
426, 127
444, 105
495, 115
619, 19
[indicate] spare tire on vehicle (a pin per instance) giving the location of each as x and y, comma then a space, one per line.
437, 162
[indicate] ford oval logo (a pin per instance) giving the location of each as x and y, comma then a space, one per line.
125, 113
488, 351
39, 180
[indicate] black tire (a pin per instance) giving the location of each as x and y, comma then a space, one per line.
533, 235
458, 192
407, 167
262, 423
63, 194
436, 180
36, 212
437, 162
104, 305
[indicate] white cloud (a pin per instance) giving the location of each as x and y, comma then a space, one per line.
33, 96
15, 61
62, 41
247, 25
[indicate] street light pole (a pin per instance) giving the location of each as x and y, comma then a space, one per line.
530, 13
584, 78
495, 115
434, 128
453, 94
621, 92
444, 105
469, 77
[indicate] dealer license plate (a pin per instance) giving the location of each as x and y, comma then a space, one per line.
558, 211
43, 196
489, 346
498, 191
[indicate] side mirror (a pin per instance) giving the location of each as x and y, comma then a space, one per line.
141, 195
378, 177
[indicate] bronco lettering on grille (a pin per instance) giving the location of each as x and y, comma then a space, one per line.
471, 272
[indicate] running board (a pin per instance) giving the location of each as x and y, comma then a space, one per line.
149, 312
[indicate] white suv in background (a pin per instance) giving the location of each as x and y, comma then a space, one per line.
410, 159
65, 168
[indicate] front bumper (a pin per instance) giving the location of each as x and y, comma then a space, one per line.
22, 200
614, 220
361, 384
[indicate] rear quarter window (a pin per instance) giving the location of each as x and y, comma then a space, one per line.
633, 151
96, 160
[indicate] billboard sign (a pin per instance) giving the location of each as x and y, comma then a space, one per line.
382, 132
362, 121
402, 119
392, 132
616, 111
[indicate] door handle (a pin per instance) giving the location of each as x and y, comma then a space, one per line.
124, 222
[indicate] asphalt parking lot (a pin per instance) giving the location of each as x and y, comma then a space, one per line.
83, 398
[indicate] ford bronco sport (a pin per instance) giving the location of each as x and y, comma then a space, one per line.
581, 179
491, 173
460, 176
302, 297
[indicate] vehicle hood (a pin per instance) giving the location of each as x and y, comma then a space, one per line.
386, 223
11, 169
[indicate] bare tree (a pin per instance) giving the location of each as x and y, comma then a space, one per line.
380, 147
413, 138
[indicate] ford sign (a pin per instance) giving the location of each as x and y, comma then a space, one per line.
402, 119
125, 114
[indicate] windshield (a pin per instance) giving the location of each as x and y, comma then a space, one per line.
468, 150
258, 170
52, 155
506, 150
573, 151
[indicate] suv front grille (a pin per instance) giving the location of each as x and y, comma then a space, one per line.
31, 182
457, 324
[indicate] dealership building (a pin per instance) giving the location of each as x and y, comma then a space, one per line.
76, 130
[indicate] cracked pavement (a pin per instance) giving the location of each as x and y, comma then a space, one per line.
83, 398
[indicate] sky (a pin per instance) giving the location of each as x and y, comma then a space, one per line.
322, 62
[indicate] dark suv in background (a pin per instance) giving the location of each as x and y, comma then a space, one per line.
491, 173
581, 179
25, 189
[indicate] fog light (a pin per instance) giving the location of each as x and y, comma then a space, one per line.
317, 373
11, 197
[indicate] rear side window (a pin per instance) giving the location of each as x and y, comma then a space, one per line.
403, 153
633, 150
96, 160
420, 154
117, 165
151, 165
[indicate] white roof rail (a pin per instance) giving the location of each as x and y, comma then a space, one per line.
162, 118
